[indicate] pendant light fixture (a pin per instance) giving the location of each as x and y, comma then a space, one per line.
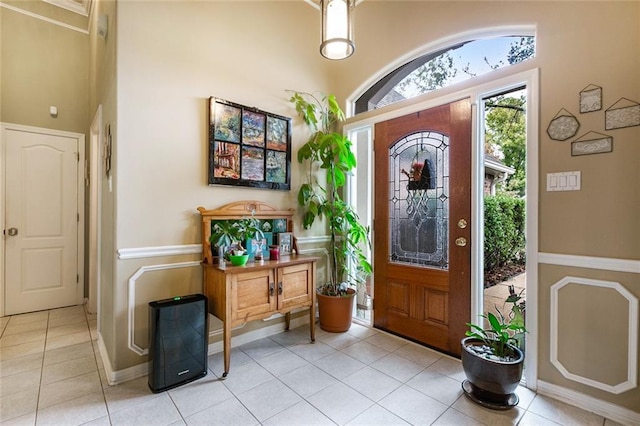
337, 29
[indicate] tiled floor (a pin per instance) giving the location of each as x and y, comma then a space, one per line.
51, 373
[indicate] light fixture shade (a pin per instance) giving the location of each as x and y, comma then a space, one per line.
337, 29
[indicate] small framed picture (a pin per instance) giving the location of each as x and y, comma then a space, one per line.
285, 241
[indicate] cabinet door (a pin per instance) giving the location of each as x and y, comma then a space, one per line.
295, 286
253, 294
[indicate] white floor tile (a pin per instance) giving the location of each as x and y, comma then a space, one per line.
199, 395
30, 317
307, 380
413, 406
74, 412
19, 365
20, 382
67, 369
340, 403
300, 413
532, 419
386, 341
282, 362
228, 413
372, 383
453, 417
18, 404
397, 367
261, 348
67, 353
268, 399
65, 390
377, 416
563, 413
17, 351
68, 340
418, 354
129, 394
487, 416
158, 412
339, 340
339, 365
365, 352
277, 380
312, 351
245, 377
437, 386
449, 367
26, 337
19, 328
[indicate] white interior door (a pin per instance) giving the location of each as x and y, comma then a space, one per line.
42, 220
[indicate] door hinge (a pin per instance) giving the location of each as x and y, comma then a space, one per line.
78, 217
77, 156
77, 278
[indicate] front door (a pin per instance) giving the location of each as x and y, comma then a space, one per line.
422, 225
41, 220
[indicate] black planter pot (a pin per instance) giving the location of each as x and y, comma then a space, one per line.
490, 383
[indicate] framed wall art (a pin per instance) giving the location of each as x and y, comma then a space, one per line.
248, 146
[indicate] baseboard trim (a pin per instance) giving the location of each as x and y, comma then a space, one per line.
140, 370
586, 402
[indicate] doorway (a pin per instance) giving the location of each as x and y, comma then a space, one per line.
43, 218
422, 260
361, 132
504, 204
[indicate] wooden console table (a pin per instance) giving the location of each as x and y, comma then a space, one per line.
238, 294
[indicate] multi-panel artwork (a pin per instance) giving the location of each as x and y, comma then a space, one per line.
248, 147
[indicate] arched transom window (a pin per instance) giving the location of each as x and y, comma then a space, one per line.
445, 67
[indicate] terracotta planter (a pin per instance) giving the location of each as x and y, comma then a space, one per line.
490, 383
335, 312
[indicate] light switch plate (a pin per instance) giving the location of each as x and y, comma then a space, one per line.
563, 181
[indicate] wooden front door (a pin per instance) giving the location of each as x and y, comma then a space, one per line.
422, 225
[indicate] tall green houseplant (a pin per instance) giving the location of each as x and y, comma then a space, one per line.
320, 197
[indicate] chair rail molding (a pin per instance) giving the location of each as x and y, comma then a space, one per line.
604, 263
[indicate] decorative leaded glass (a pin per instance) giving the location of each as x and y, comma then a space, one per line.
419, 200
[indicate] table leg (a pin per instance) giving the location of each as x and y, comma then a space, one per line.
312, 321
227, 347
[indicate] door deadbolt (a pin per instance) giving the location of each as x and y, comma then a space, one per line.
461, 241
13, 232
462, 224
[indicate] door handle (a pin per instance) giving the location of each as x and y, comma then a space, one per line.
13, 232
271, 289
461, 241
280, 287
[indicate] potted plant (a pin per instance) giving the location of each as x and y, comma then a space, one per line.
233, 233
327, 151
492, 359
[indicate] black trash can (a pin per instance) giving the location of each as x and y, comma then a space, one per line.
178, 341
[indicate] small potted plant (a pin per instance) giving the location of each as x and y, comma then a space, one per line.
329, 159
492, 359
234, 233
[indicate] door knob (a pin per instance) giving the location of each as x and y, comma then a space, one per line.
13, 232
461, 241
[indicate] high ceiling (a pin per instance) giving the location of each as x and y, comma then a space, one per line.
78, 6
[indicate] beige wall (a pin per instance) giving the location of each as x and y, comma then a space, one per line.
162, 60
578, 43
43, 65
171, 57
